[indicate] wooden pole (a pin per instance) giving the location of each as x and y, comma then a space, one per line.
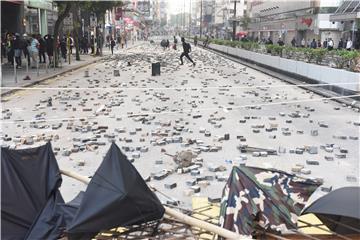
324, 229
175, 215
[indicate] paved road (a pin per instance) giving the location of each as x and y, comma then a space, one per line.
213, 96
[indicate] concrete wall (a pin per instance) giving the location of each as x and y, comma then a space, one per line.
316, 73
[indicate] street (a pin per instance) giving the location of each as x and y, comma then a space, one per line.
184, 108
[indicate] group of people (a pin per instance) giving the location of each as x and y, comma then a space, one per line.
40, 49
328, 43
33, 47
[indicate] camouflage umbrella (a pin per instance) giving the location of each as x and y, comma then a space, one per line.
254, 196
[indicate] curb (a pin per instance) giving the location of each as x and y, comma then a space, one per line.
10, 91
286, 78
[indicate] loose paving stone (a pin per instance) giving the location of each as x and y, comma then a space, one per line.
163, 114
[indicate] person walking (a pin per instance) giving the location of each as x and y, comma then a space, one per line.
92, 44
112, 45
26, 48
49, 47
325, 43
17, 50
42, 49
349, 44
318, 43
280, 42
34, 50
303, 43
293, 42
175, 42
195, 40
330, 44
341, 44
63, 48
313, 44
186, 51
10, 48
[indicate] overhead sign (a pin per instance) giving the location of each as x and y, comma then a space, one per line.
44, 4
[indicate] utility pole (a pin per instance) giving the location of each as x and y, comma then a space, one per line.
234, 21
201, 8
190, 19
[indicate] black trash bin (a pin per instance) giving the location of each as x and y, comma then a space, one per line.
155, 69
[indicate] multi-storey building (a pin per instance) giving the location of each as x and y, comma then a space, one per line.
304, 19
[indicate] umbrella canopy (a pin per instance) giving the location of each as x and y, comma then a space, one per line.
270, 197
339, 210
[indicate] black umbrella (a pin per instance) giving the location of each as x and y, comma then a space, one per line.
339, 210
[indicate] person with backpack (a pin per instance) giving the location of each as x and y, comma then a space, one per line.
186, 51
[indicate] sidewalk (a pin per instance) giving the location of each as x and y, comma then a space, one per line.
8, 76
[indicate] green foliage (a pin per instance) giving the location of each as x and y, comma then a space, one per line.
99, 7
274, 49
346, 58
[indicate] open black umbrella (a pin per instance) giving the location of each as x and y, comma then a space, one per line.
339, 210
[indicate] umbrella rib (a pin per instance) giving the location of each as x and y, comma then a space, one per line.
341, 224
324, 229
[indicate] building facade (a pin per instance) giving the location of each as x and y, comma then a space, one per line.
28, 16
305, 19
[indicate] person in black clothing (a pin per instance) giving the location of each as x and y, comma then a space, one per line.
269, 41
313, 44
293, 42
49, 47
186, 51
92, 44
112, 45
175, 42
17, 50
280, 42
195, 40
325, 43
63, 48
341, 44
42, 49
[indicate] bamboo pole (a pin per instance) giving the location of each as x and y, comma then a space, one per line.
175, 215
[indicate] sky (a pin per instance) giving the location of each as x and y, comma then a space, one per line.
177, 6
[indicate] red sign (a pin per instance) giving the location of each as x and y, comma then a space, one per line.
306, 21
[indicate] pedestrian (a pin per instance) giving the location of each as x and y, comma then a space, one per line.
92, 44
122, 41
17, 50
318, 43
175, 42
186, 51
195, 40
341, 44
10, 48
112, 45
35, 45
313, 44
49, 47
63, 48
293, 42
167, 43
325, 43
42, 49
71, 44
302, 44
308, 43
330, 44
280, 42
26, 48
349, 44
269, 41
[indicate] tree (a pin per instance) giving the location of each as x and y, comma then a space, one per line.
63, 11
99, 9
76, 26
244, 22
